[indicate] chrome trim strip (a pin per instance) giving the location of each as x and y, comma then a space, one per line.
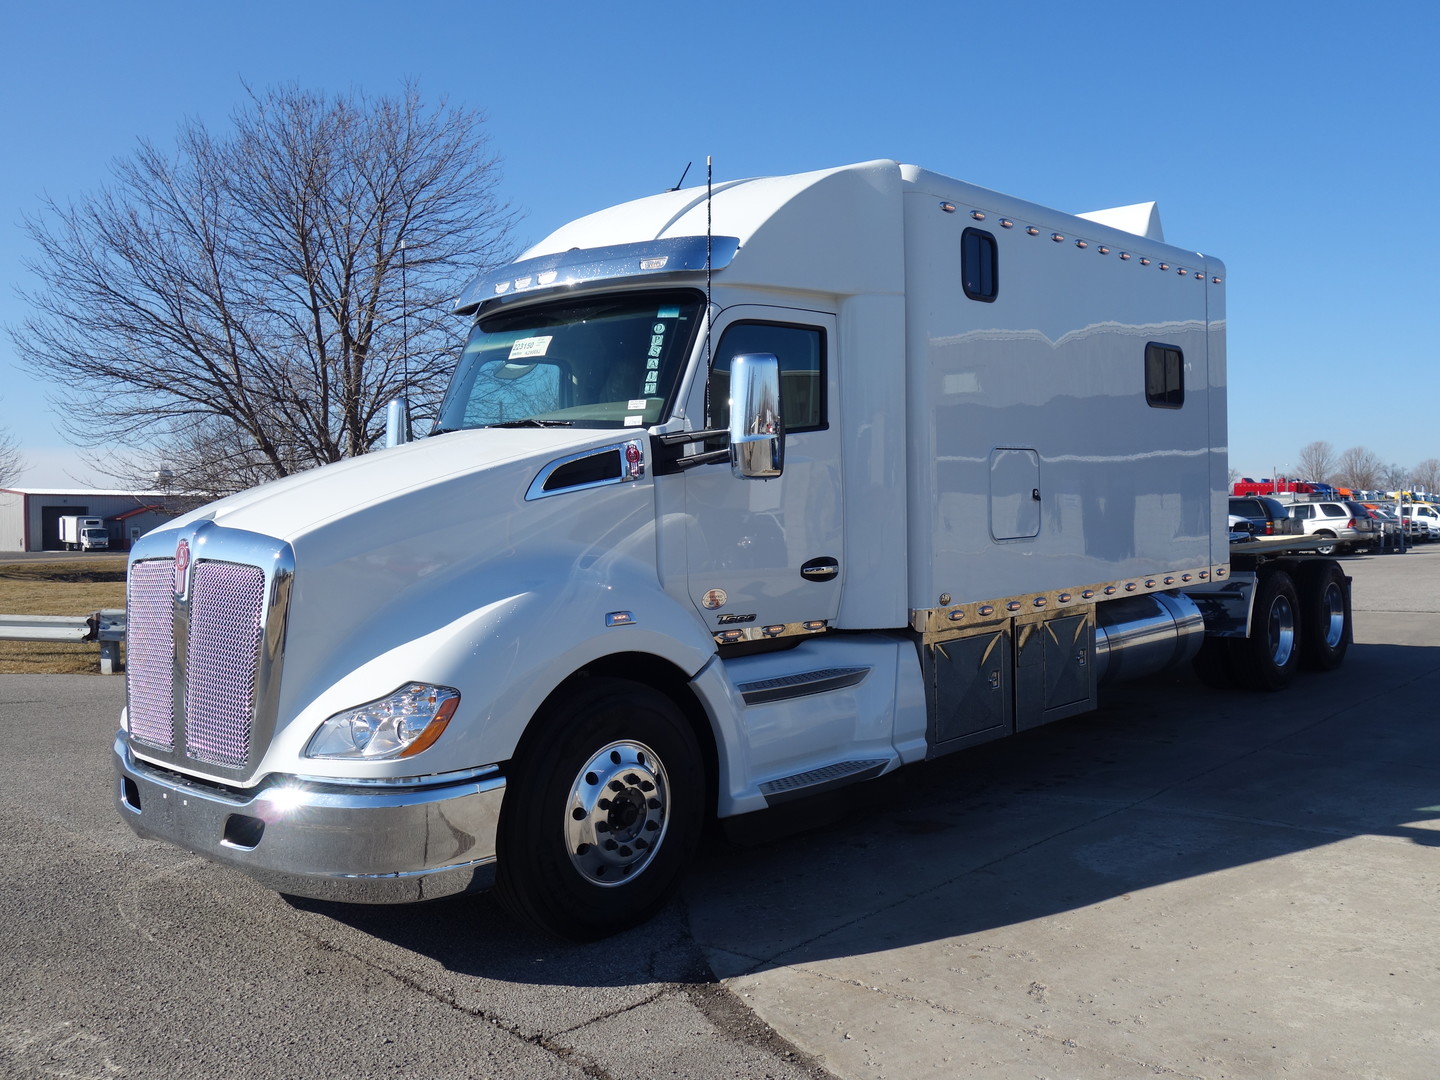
647, 258
737, 634
632, 467
952, 617
433, 780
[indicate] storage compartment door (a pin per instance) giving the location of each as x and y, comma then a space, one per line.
1014, 493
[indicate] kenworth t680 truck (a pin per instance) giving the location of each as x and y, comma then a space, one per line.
739, 493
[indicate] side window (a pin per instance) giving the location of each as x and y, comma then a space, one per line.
979, 265
1164, 376
801, 351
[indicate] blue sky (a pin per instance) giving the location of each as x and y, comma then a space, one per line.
1299, 142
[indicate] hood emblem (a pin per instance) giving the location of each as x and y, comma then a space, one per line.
182, 567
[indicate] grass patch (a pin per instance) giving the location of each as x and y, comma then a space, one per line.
68, 587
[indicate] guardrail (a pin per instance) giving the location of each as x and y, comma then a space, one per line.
106, 627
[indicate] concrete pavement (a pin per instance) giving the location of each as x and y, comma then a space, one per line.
1188, 882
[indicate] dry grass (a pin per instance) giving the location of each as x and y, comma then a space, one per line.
69, 587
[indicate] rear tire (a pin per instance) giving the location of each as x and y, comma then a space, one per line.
1327, 549
1268, 659
1325, 617
603, 810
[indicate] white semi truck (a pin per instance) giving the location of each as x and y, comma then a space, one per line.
738, 494
79, 533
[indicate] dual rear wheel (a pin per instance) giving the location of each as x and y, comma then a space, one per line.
1299, 619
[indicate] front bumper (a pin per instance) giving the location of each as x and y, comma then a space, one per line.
367, 844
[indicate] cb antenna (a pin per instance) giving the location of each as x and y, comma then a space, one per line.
684, 174
709, 311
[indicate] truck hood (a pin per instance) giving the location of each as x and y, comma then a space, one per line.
298, 505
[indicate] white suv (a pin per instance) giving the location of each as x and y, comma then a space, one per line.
1348, 524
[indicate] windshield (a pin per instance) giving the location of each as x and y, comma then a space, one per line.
596, 361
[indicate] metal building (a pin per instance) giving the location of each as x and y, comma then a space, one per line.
29, 517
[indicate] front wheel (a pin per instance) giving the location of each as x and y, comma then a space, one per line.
604, 808
1328, 548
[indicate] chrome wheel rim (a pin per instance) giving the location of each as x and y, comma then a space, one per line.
617, 813
1334, 607
1282, 631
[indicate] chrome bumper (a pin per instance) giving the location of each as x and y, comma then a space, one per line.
370, 844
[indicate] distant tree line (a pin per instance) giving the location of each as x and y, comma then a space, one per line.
245, 305
1360, 467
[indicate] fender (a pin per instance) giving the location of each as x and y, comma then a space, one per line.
505, 657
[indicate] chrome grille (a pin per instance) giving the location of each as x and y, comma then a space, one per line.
222, 661
150, 653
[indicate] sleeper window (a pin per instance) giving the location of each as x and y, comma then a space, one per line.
1164, 376
979, 265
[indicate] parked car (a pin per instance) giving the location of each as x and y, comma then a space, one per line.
1269, 516
1428, 518
1241, 529
1349, 524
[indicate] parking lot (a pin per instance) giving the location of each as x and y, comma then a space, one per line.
1189, 882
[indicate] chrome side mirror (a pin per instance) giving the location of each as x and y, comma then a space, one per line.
757, 430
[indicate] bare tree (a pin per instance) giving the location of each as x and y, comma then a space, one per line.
1359, 467
1427, 474
11, 463
267, 291
1316, 461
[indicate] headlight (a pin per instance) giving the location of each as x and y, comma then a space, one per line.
397, 726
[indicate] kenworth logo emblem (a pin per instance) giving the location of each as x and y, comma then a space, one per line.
182, 567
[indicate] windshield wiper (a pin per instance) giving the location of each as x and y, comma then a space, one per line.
531, 421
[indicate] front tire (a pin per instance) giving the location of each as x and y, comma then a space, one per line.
1327, 549
604, 809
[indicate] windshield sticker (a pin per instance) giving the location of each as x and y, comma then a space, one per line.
636, 403
634, 421
668, 313
530, 346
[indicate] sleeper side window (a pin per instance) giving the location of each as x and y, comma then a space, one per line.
979, 265
801, 352
1164, 376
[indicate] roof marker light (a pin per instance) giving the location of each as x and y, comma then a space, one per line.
1125, 255
1144, 262
1104, 250
1164, 266
948, 207
1032, 230
657, 263
1006, 223
977, 215
1082, 243
1056, 237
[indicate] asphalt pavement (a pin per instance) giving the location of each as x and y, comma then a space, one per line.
1188, 882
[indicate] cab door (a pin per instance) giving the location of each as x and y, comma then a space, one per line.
768, 554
